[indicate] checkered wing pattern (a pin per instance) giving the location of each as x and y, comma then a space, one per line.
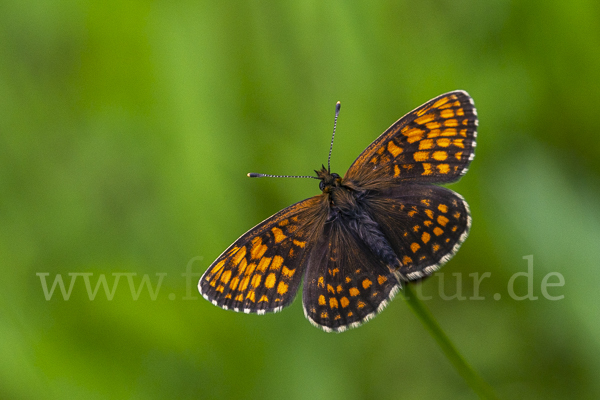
424, 224
432, 144
262, 270
345, 284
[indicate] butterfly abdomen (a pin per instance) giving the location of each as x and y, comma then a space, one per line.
345, 205
370, 233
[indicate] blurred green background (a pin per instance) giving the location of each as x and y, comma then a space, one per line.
126, 131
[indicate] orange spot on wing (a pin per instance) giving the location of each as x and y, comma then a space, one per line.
420, 156
458, 143
441, 102
449, 132
244, 283
443, 142
278, 235
299, 243
414, 247
442, 220
354, 292
447, 113
276, 264
443, 168
234, 283
242, 266
333, 303
414, 138
263, 264
426, 169
282, 288
345, 302
270, 281
258, 250
433, 133
425, 144
239, 256
256, 280
425, 237
440, 155
425, 119
250, 269
225, 277
438, 231
393, 149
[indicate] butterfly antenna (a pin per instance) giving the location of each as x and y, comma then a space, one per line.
338, 105
255, 175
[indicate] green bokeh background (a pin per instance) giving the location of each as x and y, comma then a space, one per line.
126, 131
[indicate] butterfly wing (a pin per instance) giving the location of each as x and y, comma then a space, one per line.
432, 144
262, 270
424, 224
345, 283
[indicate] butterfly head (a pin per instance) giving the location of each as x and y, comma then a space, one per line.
328, 180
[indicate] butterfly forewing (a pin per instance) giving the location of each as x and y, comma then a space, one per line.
432, 144
424, 224
345, 284
262, 270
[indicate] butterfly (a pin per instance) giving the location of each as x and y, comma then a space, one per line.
381, 224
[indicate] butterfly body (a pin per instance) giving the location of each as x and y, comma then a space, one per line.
382, 223
346, 207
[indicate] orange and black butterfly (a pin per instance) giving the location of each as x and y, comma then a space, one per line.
383, 223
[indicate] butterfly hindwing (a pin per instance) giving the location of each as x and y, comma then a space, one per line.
424, 224
345, 283
432, 144
262, 270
